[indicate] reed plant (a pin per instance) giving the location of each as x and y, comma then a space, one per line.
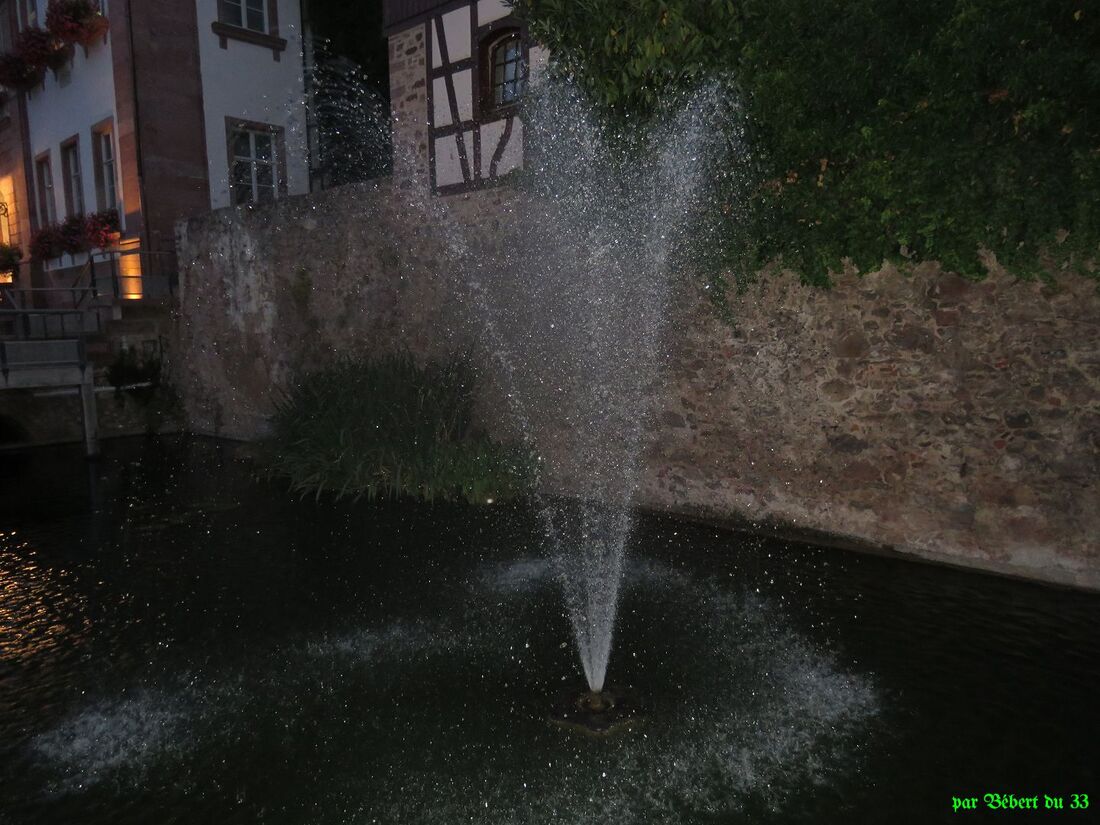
388, 427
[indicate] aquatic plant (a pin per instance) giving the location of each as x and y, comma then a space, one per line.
388, 427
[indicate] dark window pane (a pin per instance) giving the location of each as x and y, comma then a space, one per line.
256, 20
242, 194
242, 173
508, 71
231, 12
242, 145
266, 194
264, 176
263, 146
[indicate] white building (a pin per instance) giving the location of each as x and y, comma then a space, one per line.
179, 107
457, 73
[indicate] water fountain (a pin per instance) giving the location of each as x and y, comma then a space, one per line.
575, 298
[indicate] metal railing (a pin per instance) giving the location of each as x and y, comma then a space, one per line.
27, 323
27, 364
133, 274
107, 279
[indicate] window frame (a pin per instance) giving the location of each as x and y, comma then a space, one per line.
7, 35
105, 172
268, 37
491, 42
44, 190
278, 161
26, 12
242, 8
72, 176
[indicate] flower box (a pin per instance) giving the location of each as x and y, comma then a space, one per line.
19, 75
76, 21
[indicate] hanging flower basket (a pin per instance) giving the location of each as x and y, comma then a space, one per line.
10, 256
40, 48
46, 243
19, 75
74, 235
60, 57
102, 229
95, 29
76, 21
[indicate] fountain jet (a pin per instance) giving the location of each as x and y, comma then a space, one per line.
573, 295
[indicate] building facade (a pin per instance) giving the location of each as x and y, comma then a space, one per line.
181, 106
458, 71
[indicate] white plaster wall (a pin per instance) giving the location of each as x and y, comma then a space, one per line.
512, 156
456, 28
464, 97
244, 81
490, 10
448, 166
538, 60
55, 113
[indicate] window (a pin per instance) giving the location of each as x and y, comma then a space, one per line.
253, 165
47, 209
250, 21
507, 70
74, 185
5, 28
103, 157
28, 13
245, 14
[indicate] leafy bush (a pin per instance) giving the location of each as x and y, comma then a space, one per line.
73, 233
39, 47
137, 374
880, 129
19, 75
47, 243
131, 367
10, 257
100, 227
388, 428
75, 21
76, 234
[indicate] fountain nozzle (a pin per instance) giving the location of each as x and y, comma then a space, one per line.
596, 712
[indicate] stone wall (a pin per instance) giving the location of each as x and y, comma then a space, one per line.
955, 421
409, 106
266, 292
913, 411
53, 416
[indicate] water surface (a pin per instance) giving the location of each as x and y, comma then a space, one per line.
182, 643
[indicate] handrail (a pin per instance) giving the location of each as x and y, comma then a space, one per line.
71, 289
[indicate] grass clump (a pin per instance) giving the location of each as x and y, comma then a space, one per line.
386, 428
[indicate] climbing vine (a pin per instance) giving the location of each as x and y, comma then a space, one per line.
878, 129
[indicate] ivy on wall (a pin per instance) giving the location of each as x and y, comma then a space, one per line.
878, 129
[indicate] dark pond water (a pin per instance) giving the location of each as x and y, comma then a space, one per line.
181, 643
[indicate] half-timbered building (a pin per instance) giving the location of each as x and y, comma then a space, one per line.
458, 71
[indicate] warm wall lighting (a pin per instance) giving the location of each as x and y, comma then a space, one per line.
129, 269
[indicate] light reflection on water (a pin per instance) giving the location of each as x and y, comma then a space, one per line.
39, 611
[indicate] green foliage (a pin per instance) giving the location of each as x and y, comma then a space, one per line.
388, 428
129, 367
10, 257
879, 129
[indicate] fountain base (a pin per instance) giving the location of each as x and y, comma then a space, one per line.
610, 711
